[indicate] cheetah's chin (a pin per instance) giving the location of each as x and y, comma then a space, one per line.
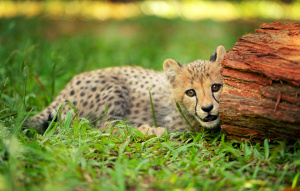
209, 122
210, 118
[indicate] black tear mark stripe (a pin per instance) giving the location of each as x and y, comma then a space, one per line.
196, 105
214, 97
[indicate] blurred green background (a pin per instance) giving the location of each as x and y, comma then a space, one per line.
44, 43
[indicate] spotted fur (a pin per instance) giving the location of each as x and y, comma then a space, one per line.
126, 91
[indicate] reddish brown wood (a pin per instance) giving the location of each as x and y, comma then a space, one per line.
260, 98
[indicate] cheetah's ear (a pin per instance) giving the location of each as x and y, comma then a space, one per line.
171, 68
218, 55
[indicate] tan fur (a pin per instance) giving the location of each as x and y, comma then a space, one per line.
126, 91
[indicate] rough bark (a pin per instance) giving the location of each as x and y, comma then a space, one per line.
260, 98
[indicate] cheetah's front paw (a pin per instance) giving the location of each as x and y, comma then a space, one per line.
150, 130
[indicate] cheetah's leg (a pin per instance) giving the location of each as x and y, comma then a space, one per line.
41, 121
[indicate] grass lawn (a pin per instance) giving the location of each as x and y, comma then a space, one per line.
39, 56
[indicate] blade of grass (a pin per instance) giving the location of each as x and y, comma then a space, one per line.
152, 107
51, 124
257, 167
120, 177
105, 111
3, 86
25, 76
8, 115
232, 150
122, 148
73, 107
68, 119
53, 73
295, 180
25, 68
42, 85
20, 125
180, 111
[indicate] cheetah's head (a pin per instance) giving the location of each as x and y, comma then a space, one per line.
197, 86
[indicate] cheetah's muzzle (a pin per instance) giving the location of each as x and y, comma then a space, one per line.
210, 118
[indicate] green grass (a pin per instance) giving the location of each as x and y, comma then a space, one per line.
37, 59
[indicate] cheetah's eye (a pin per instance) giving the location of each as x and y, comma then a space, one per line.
215, 87
190, 93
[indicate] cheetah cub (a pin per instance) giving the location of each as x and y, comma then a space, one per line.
196, 87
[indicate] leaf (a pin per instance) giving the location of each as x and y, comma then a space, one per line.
169, 145
150, 137
267, 150
137, 133
181, 149
248, 151
123, 146
68, 119
236, 153
139, 166
257, 153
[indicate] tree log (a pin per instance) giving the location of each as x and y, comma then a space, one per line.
260, 97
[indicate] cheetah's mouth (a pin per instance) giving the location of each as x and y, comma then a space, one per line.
210, 118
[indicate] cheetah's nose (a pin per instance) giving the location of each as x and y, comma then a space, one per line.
207, 108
